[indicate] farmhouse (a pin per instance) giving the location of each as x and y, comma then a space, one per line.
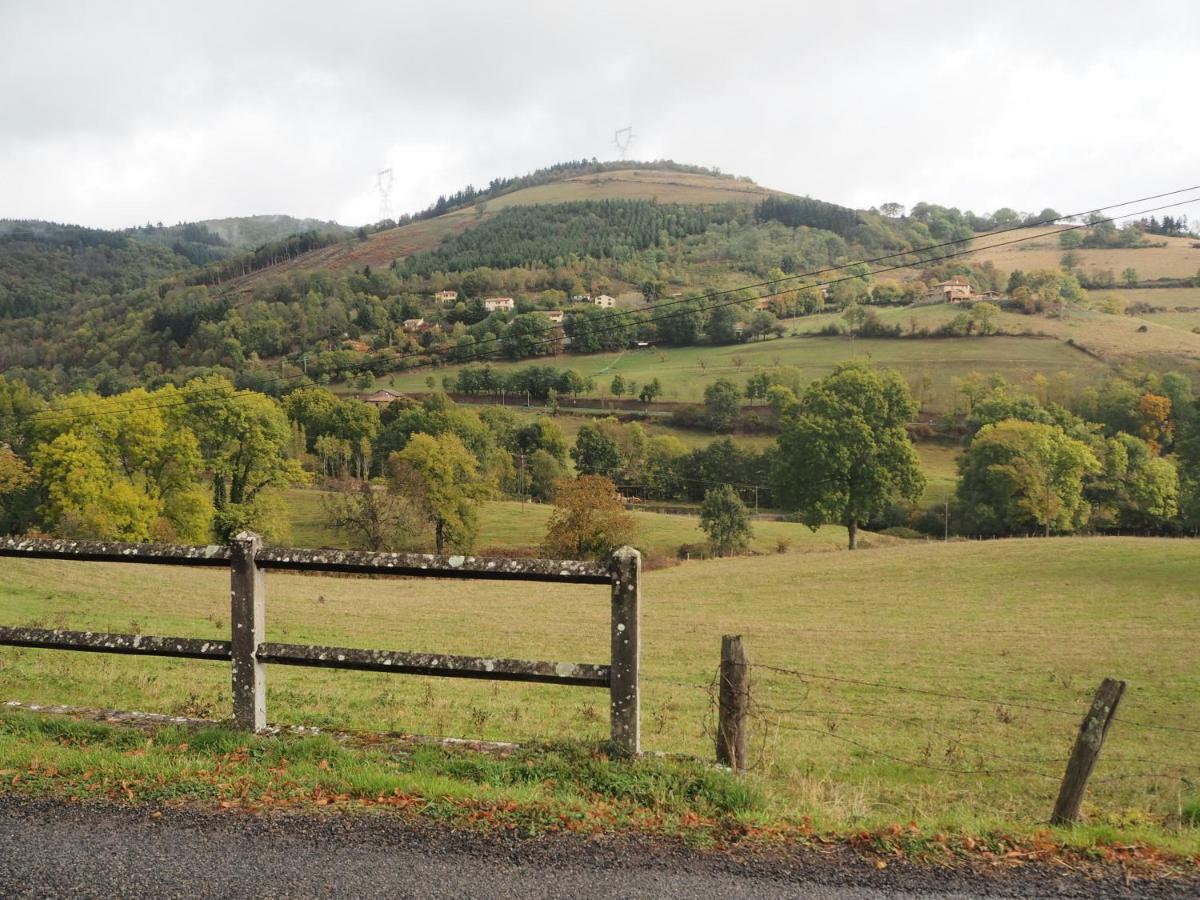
446, 296
414, 324
555, 315
604, 301
491, 304
955, 290
382, 398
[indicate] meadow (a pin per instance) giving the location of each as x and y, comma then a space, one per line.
938, 683
506, 526
1178, 259
930, 365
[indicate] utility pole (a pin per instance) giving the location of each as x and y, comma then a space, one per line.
946, 537
521, 478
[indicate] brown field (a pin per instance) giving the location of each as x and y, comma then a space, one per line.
1177, 260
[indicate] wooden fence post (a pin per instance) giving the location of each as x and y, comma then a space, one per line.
247, 618
624, 685
1086, 751
733, 703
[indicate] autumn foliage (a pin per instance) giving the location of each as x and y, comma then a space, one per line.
589, 519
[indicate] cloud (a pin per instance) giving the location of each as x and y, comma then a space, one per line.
150, 111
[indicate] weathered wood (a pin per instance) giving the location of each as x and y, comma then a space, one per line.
247, 616
624, 684
103, 642
115, 551
433, 566
733, 703
1086, 751
400, 662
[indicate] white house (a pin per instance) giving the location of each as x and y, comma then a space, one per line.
604, 301
446, 296
413, 324
491, 304
555, 316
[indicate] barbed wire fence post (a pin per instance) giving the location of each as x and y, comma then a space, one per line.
733, 703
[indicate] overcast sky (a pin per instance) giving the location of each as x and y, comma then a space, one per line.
115, 114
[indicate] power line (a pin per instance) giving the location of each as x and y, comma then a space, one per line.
54, 415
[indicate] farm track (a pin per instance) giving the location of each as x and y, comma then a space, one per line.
109, 851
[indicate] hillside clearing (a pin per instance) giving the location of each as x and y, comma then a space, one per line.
946, 617
1178, 259
929, 365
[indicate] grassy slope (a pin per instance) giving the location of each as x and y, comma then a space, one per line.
1114, 338
685, 371
1042, 620
1177, 260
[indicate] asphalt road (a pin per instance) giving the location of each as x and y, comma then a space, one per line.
50, 849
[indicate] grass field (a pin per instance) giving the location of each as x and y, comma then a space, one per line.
1115, 338
1177, 260
509, 525
929, 365
1023, 629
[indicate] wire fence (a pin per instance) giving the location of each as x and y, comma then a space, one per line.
796, 719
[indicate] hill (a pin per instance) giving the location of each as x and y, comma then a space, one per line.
666, 187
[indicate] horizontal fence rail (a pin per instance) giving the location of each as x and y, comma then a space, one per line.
249, 651
334, 562
583, 674
102, 642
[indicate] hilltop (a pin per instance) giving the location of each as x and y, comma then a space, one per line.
661, 186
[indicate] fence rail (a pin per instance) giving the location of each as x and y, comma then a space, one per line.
249, 652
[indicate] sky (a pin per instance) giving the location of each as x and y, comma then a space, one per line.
123, 113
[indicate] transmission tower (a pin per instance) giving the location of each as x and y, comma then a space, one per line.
622, 138
384, 181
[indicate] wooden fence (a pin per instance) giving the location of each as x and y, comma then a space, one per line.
249, 651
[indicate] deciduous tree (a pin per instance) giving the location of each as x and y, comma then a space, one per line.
844, 453
589, 520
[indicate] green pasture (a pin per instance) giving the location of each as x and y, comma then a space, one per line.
1018, 633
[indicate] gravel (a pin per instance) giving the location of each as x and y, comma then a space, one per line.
52, 848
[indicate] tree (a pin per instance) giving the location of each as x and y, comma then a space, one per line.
844, 452
1157, 428
983, 315
595, 453
540, 434
651, 390
725, 520
372, 517
545, 471
722, 403
121, 468
243, 437
589, 520
440, 477
617, 388
1017, 476
1130, 276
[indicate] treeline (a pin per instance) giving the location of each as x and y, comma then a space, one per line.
264, 256
528, 236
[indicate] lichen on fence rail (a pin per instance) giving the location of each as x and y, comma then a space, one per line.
300, 560
104, 642
582, 674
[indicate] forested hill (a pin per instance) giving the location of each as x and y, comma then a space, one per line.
82, 308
